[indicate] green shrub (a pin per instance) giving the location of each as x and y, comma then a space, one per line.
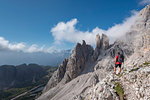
135, 69
119, 89
125, 70
146, 63
141, 66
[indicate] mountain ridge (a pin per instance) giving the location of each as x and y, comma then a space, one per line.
94, 79
21, 75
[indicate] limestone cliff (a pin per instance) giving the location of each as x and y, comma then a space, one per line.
101, 45
72, 67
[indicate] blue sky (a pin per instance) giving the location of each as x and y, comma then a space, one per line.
30, 21
35, 24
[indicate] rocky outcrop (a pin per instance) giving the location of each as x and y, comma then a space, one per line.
98, 41
104, 43
101, 45
139, 33
57, 76
97, 49
72, 67
80, 55
145, 16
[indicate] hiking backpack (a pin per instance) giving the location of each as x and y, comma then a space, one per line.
120, 58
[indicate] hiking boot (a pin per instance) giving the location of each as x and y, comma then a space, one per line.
118, 74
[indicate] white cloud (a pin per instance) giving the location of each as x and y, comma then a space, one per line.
35, 48
5, 44
52, 49
119, 30
68, 32
30, 54
144, 2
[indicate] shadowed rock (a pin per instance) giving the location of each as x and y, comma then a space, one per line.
57, 76
101, 45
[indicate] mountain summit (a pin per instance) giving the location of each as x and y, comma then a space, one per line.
87, 74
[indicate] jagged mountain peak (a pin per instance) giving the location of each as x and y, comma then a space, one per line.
145, 12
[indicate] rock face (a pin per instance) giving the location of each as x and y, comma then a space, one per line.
80, 55
72, 67
101, 45
97, 49
100, 84
98, 41
57, 76
104, 44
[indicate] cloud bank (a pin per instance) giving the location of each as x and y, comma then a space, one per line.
67, 32
19, 53
5, 45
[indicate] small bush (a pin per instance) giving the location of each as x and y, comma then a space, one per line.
125, 70
146, 63
119, 89
135, 69
141, 66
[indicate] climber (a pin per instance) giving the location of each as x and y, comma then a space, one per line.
119, 59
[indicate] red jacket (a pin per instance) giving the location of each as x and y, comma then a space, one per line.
117, 59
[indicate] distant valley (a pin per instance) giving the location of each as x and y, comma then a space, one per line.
15, 80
